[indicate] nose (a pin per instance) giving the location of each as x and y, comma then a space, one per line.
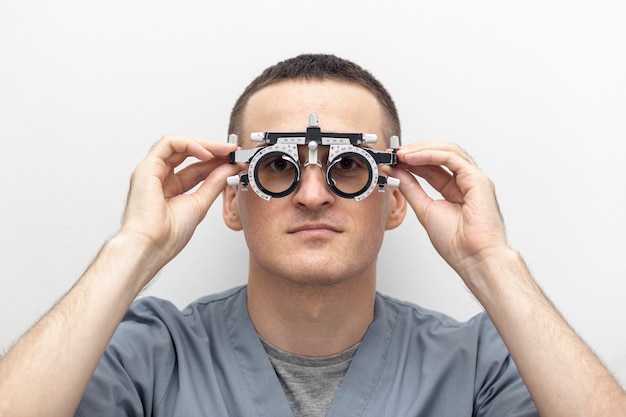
313, 191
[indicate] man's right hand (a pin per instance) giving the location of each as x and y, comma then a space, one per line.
48, 369
160, 211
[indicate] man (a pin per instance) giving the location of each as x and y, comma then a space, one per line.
308, 335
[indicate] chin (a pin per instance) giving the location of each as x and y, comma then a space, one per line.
315, 267
325, 273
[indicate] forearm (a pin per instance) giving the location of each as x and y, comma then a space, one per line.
562, 374
47, 371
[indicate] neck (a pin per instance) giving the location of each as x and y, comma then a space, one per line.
312, 320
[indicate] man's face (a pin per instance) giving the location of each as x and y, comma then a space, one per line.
313, 236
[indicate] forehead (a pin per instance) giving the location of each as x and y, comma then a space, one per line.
340, 106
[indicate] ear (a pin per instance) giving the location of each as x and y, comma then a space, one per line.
397, 209
230, 208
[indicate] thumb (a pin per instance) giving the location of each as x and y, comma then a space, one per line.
213, 186
412, 190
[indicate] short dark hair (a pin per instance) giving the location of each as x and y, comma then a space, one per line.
318, 67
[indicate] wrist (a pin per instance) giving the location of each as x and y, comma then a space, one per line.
500, 274
135, 259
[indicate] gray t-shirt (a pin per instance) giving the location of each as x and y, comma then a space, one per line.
310, 383
208, 360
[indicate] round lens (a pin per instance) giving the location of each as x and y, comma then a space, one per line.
349, 174
276, 173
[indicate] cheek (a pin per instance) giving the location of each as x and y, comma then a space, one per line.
378, 207
249, 210
259, 218
373, 218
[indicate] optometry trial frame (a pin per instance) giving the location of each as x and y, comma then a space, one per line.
351, 170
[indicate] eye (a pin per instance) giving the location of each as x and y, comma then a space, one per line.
349, 164
277, 164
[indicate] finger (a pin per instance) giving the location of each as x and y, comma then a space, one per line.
460, 165
173, 150
442, 180
451, 160
195, 173
215, 149
415, 195
437, 146
212, 186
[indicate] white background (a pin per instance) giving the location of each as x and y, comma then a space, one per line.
534, 90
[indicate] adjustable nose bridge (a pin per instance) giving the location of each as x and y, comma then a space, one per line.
313, 173
313, 158
312, 188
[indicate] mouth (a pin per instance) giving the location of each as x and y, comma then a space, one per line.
314, 228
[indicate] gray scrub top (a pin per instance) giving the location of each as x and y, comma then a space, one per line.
208, 361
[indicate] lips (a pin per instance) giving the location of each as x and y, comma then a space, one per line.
315, 227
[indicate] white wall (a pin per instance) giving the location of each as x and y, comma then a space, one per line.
534, 90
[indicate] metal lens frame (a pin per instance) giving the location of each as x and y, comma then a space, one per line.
336, 154
264, 185
288, 153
